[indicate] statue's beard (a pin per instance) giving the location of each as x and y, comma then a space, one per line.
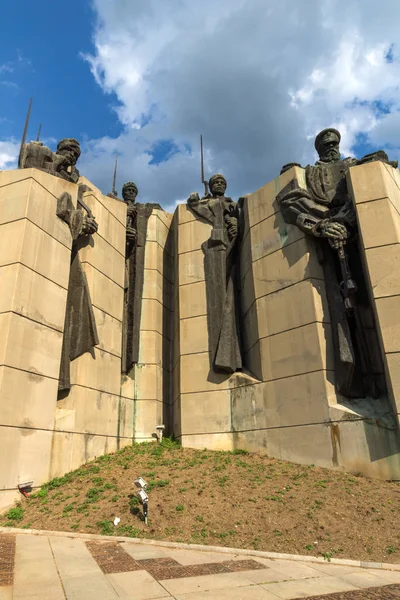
330, 155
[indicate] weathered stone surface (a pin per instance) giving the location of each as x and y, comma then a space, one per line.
23, 242
29, 346
27, 399
31, 295
384, 270
192, 300
98, 370
379, 222
206, 413
105, 294
193, 335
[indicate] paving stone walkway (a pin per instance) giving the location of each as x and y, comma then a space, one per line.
59, 567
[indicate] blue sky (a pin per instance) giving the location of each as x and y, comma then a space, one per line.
41, 49
257, 78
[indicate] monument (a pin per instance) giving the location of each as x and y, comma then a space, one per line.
325, 211
221, 273
268, 324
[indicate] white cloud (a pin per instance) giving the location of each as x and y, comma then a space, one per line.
258, 78
8, 154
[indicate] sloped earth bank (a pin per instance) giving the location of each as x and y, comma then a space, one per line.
222, 498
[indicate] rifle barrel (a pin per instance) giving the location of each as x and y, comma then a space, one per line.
114, 191
28, 116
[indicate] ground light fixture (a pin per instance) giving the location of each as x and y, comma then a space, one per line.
143, 497
160, 431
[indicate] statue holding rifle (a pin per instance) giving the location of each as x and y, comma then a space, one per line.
221, 270
325, 211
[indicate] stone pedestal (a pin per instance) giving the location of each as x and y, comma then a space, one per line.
145, 390
35, 249
93, 419
376, 191
284, 403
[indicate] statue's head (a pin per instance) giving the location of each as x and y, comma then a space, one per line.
69, 147
129, 191
327, 145
217, 184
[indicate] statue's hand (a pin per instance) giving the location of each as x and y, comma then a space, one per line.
89, 225
130, 234
232, 226
131, 210
194, 197
336, 233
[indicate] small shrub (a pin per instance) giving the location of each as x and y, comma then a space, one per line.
16, 514
106, 527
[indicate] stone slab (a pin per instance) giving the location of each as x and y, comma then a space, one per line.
23, 242
36, 573
109, 330
110, 228
191, 267
192, 234
103, 257
209, 412
148, 414
262, 203
388, 310
95, 412
192, 300
27, 199
29, 294
27, 399
29, 346
379, 223
143, 584
31, 451
193, 335
279, 270
98, 370
80, 575
105, 294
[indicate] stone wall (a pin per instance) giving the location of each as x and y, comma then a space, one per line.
148, 382
284, 403
93, 419
41, 437
35, 248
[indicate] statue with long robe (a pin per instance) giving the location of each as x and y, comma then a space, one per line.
221, 274
136, 233
80, 332
325, 211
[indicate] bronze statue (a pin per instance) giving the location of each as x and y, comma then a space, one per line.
60, 163
221, 273
136, 232
325, 211
80, 332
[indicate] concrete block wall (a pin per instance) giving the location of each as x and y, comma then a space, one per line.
376, 191
284, 403
146, 387
35, 248
93, 419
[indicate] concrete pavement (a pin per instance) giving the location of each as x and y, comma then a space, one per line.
56, 566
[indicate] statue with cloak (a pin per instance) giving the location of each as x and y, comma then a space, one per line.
221, 274
80, 332
325, 211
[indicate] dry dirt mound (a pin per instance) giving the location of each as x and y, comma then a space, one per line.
222, 498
